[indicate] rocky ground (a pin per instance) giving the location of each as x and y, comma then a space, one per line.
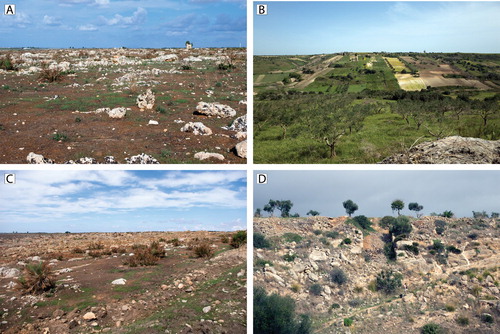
97, 293
123, 106
457, 291
450, 150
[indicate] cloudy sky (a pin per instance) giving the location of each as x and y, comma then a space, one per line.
129, 23
459, 191
308, 27
109, 201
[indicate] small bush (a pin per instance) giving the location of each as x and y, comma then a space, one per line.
432, 328
78, 250
449, 308
95, 253
388, 281
37, 278
347, 241
401, 227
348, 322
324, 241
387, 222
7, 64
473, 236
331, 234
239, 239
453, 249
60, 137
204, 250
487, 318
156, 250
185, 67
462, 321
390, 251
295, 287
224, 67
260, 241
338, 276
438, 246
142, 257
276, 314
439, 230
289, 257
175, 242
363, 222
315, 289
412, 248
292, 237
161, 109
50, 74
476, 290
96, 245
335, 305
317, 232
355, 302
224, 239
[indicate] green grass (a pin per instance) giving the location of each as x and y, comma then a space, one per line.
85, 103
127, 288
382, 135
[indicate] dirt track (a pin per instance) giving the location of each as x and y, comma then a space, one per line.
324, 69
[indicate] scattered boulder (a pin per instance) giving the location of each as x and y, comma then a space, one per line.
141, 159
89, 316
241, 149
9, 272
34, 158
317, 255
207, 309
239, 124
146, 100
152, 122
110, 160
215, 109
450, 150
206, 155
119, 281
117, 112
197, 128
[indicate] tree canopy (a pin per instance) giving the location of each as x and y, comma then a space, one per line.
350, 207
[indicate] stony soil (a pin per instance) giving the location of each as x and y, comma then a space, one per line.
181, 294
434, 289
33, 111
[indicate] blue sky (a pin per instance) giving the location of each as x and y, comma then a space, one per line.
129, 23
459, 191
308, 27
109, 201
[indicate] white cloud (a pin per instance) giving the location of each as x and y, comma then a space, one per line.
51, 20
71, 195
138, 17
87, 27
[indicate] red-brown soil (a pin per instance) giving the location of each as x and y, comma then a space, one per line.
32, 111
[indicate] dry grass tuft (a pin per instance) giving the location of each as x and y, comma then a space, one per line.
37, 278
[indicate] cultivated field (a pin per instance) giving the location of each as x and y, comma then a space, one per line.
147, 282
109, 105
364, 107
396, 64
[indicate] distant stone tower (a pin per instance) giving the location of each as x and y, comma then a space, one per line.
189, 45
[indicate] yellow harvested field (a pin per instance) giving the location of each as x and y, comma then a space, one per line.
409, 82
396, 64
